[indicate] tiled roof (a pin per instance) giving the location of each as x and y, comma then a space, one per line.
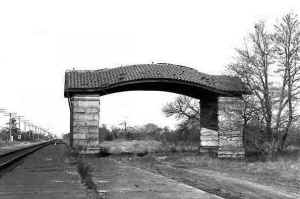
105, 78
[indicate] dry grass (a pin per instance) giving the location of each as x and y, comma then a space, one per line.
121, 146
131, 147
285, 171
85, 172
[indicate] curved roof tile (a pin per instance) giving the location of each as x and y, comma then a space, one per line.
104, 78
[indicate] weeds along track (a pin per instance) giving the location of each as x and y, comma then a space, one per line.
14, 156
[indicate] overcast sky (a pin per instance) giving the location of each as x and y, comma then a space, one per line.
39, 40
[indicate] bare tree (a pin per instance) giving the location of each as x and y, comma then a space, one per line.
253, 67
269, 65
287, 46
251, 111
183, 107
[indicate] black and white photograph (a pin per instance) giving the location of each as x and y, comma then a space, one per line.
150, 99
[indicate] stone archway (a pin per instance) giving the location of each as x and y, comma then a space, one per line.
219, 132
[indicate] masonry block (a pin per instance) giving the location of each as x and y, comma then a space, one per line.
85, 121
222, 126
230, 128
209, 138
209, 125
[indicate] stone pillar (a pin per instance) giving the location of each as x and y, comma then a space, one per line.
209, 125
230, 128
85, 121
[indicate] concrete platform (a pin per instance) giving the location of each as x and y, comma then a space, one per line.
44, 174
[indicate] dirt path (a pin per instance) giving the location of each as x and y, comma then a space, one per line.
117, 180
218, 183
252, 189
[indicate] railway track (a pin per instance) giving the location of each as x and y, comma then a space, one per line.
14, 156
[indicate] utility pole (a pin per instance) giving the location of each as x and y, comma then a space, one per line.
2, 110
19, 119
30, 131
24, 128
11, 139
24, 125
37, 132
20, 131
29, 128
200, 126
124, 123
9, 114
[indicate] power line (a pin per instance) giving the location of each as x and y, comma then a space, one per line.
15, 119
